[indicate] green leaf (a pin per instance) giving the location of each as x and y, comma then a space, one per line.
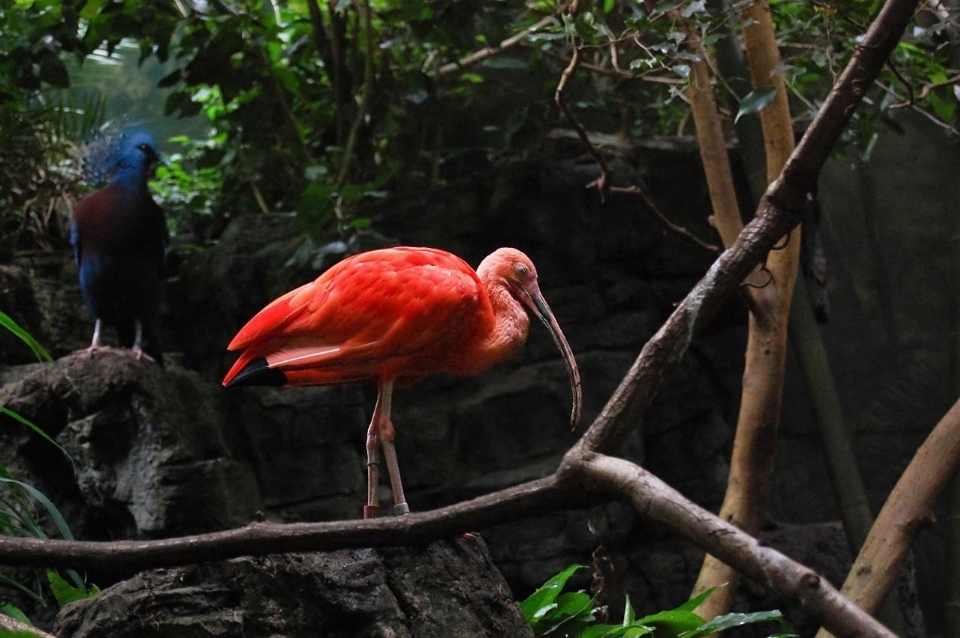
756, 100
696, 601
13, 611
677, 621
66, 593
546, 595
16, 417
729, 621
628, 615
10, 583
316, 208
41, 498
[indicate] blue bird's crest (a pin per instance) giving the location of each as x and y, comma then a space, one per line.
132, 149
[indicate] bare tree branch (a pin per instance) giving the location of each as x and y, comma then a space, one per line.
489, 52
656, 500
909, 508
579, 480
680, 230
602, 183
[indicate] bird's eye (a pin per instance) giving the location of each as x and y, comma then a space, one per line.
521, 271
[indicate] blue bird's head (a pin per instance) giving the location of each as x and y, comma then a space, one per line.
131, 155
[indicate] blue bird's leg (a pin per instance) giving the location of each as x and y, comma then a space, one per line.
95, 342
138, 342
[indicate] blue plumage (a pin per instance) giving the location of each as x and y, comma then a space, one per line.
119, 238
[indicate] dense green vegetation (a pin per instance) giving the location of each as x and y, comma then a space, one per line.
317, 107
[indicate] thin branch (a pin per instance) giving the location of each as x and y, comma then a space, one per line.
13, 627
680, 230
602, 182
489, 52
363, 6
924, 92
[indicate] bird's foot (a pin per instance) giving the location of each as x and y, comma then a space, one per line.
138, 352
90, 350
400, 509
371, 511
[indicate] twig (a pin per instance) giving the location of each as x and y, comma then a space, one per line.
602, 182
489, 52
363, 6
680, 230
924, 92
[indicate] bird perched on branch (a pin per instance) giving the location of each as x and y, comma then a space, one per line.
395, 316
119, 237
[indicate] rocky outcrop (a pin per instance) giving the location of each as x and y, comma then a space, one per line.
445, 590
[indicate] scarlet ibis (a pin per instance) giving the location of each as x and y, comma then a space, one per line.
395, 316
119, 238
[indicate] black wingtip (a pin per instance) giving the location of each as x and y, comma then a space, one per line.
257, 372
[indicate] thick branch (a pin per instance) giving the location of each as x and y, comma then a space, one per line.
779, 211
909, 508
654, 499
579, 481
126, 557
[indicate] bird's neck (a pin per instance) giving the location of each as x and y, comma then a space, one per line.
510, 323
132, 180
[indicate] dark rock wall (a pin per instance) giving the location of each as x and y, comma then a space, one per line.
168, 452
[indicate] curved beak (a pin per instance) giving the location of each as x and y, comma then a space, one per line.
533, 299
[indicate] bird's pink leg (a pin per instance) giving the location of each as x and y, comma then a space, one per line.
387, 434
138, 342
372, 508
95, 342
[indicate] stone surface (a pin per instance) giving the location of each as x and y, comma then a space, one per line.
444, 590
611, 272
148, 446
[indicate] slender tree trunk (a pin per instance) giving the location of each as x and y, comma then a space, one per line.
952, 597
751, 466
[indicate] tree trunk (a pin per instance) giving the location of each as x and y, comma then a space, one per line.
751, 465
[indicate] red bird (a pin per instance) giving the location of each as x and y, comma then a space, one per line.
395, 316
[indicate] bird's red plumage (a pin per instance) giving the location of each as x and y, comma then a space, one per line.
398, 313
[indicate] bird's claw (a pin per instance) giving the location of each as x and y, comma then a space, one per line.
89, 351
141, 355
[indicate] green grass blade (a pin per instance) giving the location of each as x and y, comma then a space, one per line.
9, 583
47, 504
24, 336
16, 417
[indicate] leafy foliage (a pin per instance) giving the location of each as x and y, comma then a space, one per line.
315, 108
552, 611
